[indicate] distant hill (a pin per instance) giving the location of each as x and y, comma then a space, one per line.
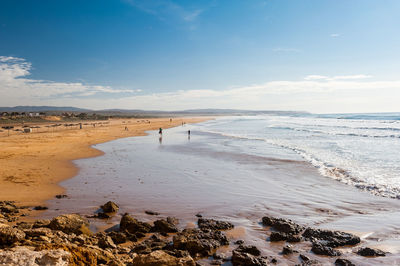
137, 112
41, 109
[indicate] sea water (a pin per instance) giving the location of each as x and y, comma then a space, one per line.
243, 168
362, 150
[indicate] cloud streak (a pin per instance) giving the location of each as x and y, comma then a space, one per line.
164, 9
316, 93
15, 86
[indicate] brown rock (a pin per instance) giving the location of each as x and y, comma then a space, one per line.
133, 226
10, 235
70, 223
160, 257
110, 207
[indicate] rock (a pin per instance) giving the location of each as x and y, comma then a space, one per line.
172, 220
279, 236
160, 257
343, 262
320, 249
239, 242
282, 225
24, 225
214, 224
38, 232
151, 212
307, 261
247, 256
216, 262
8, 207
253, 250
133, 226
199, 215
102, 215
41, 223
110, 207
332, 238
304, 257
370, 252
61, 196
288, 249
118, 237
70, 223
163, 226
152, 244
199, 243
105, 241
25, 256
10, 235
220, 256
40, 208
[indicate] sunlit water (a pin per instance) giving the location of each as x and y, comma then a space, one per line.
363, 150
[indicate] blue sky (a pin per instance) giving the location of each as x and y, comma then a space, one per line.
314, 55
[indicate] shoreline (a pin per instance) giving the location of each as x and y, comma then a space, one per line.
34, 164
237, 236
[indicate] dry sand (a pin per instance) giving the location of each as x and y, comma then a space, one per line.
32, 164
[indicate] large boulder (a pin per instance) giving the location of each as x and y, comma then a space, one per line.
24, 256
160, 257
110, 207
10, 235
70, 223
165, 226
133, 226
332, 238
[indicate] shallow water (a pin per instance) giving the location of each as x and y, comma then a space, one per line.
228, 178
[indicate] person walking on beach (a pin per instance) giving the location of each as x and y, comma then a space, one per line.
160, 131
189, 133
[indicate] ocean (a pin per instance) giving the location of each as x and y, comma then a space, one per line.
336, 172
362, 150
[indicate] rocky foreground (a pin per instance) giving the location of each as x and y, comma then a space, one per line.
67, 240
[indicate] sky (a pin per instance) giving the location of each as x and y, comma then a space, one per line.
320, 56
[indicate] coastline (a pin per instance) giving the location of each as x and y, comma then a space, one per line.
34, 164
145, 193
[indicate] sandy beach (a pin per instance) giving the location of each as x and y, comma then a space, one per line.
32, 164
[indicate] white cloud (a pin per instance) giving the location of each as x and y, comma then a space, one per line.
16, 87
315, 93
346, 77
335, 35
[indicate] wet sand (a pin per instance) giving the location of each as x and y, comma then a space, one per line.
182, 177
33, 164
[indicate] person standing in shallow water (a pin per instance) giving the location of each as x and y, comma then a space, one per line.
160, 131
